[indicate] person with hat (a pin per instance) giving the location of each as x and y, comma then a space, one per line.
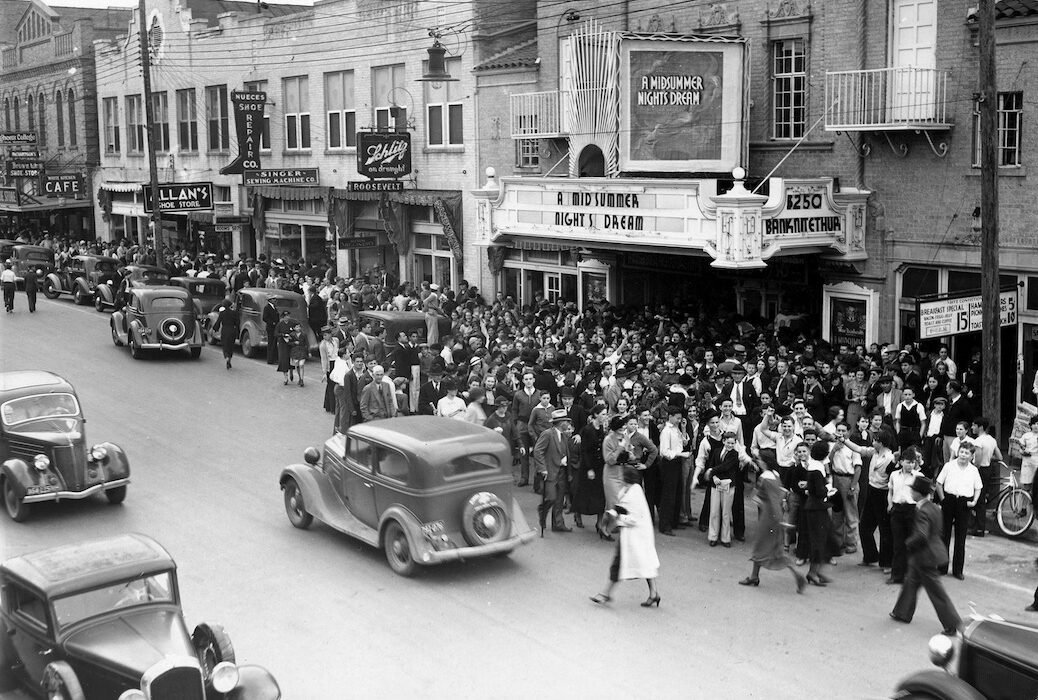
432, 391
431, 308
282, 333
227, 326
523, 402
932, 446
927, 554
887, 397
270, 318
328, 350
500, 422
615, 453
31, 285
550, 460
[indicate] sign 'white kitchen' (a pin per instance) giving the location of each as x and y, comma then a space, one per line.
181, 196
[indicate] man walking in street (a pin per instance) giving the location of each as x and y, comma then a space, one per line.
31, 286
270, 320
550, 459
8, 281
926, 555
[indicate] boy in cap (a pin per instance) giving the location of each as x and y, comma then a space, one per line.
926, 555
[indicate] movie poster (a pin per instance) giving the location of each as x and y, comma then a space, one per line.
848, 319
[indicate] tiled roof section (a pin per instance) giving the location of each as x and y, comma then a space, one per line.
1006, 9
519, 56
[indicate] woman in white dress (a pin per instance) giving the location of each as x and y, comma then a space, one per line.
636, 551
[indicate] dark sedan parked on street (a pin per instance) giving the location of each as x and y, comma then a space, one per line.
81, 277
252, 334
43, 446
31, 259
116, 294
102, 619
425, 489
206, 292
157, 318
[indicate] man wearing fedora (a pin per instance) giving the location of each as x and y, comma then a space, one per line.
550, 459
926, 554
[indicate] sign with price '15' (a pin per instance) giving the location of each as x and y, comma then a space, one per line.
943, 317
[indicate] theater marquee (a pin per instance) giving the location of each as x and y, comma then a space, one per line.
682, 105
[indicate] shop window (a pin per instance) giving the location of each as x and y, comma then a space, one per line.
111, 124
300, 205
918, 281
444, 111
423, 240
542, 256
297, 113
261, 86
134, 125
341, 109
513, 284
962, 281
1010, 124
385, 96
187, 121
1032, 293
73, 137
222, 194
527, 154
216, 118
160, 116
909, 326
788, 88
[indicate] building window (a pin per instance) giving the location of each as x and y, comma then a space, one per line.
297, 113
30, 105
59, 118
261, 86
17, 116
527, 154
7, 114
160, 116
111, 124
433, 261
789, 88
222, 194
1010, 124
73, 137
384, 81
134, 125
341, 109
216, 116
41, 105
444, 112
187, 120
918, 281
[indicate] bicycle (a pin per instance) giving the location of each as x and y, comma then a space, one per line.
1014, 512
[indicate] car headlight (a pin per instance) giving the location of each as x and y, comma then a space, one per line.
41, 462
941, 650
98, 453
224, 677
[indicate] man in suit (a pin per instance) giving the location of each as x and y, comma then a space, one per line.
550, 458
30, 289
522, 405
270, 319
745, 402
347, 397
784, 387
432, 391
378, 399
926, 555
959, 409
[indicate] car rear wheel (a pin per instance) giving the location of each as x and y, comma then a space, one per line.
49, 291
99, 303
136, 352
212, 646
398, 550
116, 496
60, 682
79, 297
16, 509
115, 337
247, 348
295, 507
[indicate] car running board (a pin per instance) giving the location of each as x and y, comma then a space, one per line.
331, 511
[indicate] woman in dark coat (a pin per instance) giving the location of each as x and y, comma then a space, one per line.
589, 498
227, 326
816, 515
768, 549
282, 331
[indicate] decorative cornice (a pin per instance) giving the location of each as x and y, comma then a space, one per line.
787, 9
718, 19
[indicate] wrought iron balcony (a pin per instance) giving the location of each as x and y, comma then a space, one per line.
887, 99
537, 115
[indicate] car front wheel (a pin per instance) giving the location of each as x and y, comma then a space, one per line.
135, 350
79, 298
116, 496
49, 291
99, 303
18, 510
247, 348
398, 550
212, 646
295, 507
60, 682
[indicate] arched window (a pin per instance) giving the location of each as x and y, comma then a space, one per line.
72, 136
59, 119
41, 105
17, 115
7, 114
31, 110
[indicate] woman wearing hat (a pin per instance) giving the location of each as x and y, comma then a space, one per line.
227, 326
636, 555
329, 352
614, 447
768, 546
589, 494
474, 411
282, 335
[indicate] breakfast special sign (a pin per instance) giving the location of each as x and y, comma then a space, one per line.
681, 105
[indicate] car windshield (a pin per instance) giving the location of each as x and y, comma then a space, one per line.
470, 464
282, 303
105, 266
154, 275
30, 408
167, 304
39, 256
156, 588
201, 289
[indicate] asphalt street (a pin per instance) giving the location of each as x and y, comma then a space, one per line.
327, 616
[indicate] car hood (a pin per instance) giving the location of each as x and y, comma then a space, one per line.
49, 431
132, 643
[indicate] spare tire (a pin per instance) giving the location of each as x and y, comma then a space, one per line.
485, 520
172, 330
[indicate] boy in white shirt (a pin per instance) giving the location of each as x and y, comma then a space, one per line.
985, 456
1029, 465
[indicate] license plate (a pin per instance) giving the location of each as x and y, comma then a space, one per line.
433, 528
37, 490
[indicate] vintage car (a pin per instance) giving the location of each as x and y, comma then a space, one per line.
81, 277
31, 259
425, 489
102, 619
396, 321
7, 249
157, 318
252, 333
43, 447
206, 293
116, 294
995, 659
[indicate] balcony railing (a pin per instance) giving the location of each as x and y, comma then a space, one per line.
537, 115
887, 99
10, 58
63, 44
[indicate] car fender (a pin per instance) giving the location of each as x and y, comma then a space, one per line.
83, 284
409, 522
197, 337
134, 331
255, 683
54, 280
117, 465
116, 322
940, 684
19, 473
306, 477
105, 290
256, 332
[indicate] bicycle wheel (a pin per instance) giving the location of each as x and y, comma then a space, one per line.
1015, 512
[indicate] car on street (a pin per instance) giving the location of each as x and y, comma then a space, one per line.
252, 333
206, 293
115, 295
102, 618
157, 318
43, 447
995, 659
424, 489
31, 259
7, 249
396, 322
81, 277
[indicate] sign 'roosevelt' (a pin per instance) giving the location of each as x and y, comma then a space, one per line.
181, 196
383, 155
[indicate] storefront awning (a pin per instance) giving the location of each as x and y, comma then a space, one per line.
121, 186
424, 198
292, 194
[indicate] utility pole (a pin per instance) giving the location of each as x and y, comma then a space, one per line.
149, 129
991, 331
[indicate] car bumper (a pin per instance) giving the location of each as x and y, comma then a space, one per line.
168, 346
462, 553
74, 495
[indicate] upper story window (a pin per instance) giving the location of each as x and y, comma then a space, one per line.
187, 120
384, 80
341, 109
444, 112
297, 113
34, 27
41, 111
160, 115
527, 153
7, 113
110, 109
17, 115
1010, 131
31, 109
261, 86
59, 122
789, 88
73, 137
134, 125
216, 118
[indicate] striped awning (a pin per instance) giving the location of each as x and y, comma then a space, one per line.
121, 186
292, 194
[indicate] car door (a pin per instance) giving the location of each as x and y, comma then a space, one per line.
394, 470
29, 630
358, 491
